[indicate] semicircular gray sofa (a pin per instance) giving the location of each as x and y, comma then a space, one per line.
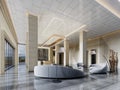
57, 71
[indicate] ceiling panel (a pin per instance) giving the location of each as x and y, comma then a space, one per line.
112, 5
63, 17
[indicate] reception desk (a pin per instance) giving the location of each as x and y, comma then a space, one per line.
57, 71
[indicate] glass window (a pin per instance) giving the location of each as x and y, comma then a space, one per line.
9, 55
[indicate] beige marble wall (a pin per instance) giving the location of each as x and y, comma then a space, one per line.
78, 45
112, 42
74, 55
5, 33
102, 45
93, 44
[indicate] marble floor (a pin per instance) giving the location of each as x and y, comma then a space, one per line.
21, 80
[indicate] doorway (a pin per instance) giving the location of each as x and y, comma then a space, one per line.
93, 56
93, 59
61, 58
21, 53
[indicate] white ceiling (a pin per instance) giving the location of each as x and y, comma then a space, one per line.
112, 5
63, 17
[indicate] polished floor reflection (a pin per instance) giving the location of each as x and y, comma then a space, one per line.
22, 80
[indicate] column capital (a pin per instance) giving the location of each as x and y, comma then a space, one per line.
83, 31
66, 39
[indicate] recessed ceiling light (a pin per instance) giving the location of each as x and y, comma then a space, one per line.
118, 0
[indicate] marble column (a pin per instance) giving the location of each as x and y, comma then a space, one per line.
16, 59
27, 51
83, 47
32, 42
2, 50
56, 54
66, 52
51, 54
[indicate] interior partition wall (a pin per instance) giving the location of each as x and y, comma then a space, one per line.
43, 55
9, 55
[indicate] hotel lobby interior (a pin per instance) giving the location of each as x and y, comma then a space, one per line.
59, 44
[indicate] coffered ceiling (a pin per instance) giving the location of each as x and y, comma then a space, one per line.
62, 17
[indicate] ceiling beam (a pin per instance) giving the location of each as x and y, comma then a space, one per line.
78, 29
109, 7
104, 35
6, 14
21, 43
55, 42
54, 35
